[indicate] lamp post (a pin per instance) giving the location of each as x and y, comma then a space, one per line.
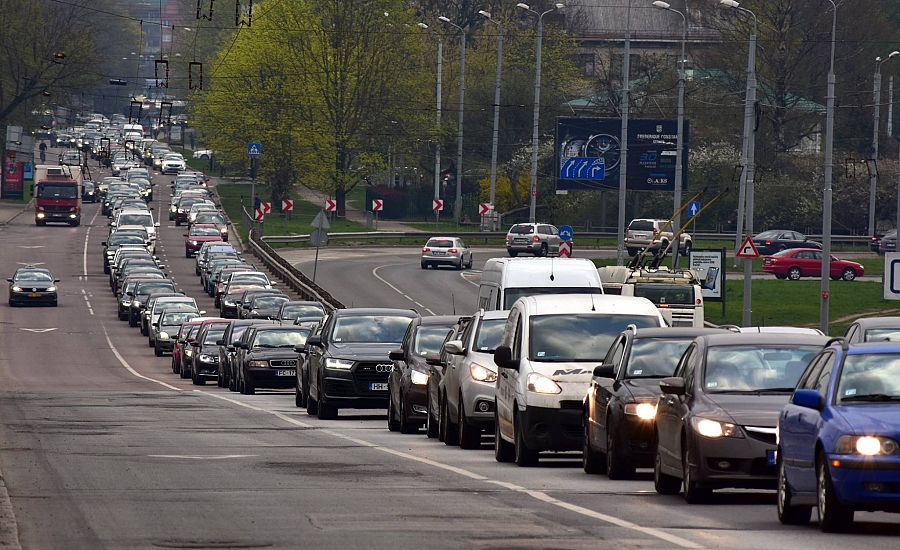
623, 138
876, 108
495, 138
825, 293
748, 160
457, 204
679, 169
537, 101
437, 139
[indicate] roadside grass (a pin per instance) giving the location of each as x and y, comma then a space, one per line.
873, 266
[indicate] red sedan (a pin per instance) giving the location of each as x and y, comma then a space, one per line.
794, 263
199, 234
184, 338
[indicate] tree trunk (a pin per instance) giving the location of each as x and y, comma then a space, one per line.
340, 173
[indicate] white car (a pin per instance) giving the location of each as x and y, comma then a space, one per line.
203, 154
142, 218
550, 347
172, 164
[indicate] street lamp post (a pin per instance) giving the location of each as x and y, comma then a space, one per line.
827, 198
873, 172
623, 138
457, 204
537, 102
437, 139
679, 169
496, 136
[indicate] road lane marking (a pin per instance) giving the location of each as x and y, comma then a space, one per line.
87, 236
201, 457
125, 364
38, 330
9, 530
395, 289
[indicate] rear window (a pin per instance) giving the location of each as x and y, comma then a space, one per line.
640, 225
440, 243
522, 229
665, 294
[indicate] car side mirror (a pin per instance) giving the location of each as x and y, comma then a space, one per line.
220, 342
604, 371
314, 340
433, 359
503, 358
203, 312
9, 280
230, 348
156, 224
103, 243
397, 355
809, 399
273, 283
454, 347
300, 348
673, 385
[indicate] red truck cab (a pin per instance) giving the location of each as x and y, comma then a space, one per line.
57, 199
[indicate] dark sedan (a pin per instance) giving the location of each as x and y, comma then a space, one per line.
244, 302
205, 360
265, 306
771, 241
874, 329
269, 359
293, 310
407, 384
716, 422
620, 407
32, 285
228, 351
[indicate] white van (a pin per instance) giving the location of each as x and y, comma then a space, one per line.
132, 132
505, 280
550, 347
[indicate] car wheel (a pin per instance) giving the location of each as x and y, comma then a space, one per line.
617, 466
459, 266
300, 393
794, 274
503, 451
183, 372
524, 455
177, 223
187, 254
469, 436
327, 411
544, 252
848, 274
788, 514
312, 406
424, 265
157, 351
196, 379
782, 277
174, 366
246, 386
132, 322
513, 254
150, 342
694, 493
407, 426
833, 516
664, 483
232, 382
431, 422
592, 461
450, 431
471, 261
393, 423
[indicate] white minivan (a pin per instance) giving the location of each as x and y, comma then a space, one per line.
550, 347
505, 280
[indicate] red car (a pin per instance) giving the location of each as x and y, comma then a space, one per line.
200, 233
794, 263
184, 339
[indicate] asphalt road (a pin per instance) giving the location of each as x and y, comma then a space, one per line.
102, 447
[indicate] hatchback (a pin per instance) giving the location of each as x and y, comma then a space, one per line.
446, 251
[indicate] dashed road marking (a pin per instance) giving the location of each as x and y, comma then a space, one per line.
395, 289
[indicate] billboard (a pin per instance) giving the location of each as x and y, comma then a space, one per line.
589, 154
709, 265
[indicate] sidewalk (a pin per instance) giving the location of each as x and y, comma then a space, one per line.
9, 210
354, 214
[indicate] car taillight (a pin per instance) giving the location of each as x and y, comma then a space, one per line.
699, 301
452, 251
768, 243
426, 249
535, 238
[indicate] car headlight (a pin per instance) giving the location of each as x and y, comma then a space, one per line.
136, 303
261, 364
866, 445
172, 209
714, 429
195, 243
181, 210
482, 374
229, 303
644, 411
206, 358
339, 364
163, 336
51, 289
538, 383
223, 230
188, 351
17, 289
418, 378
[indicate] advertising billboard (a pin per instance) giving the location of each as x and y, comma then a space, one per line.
589, 154
709, 265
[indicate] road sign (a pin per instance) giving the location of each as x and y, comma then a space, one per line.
437, 205
693, 208
377, 205
747, 249
709, 267
254, 149
265, 206
320, 221
892, 276
566, 232
287, 205
565, 249
583, 168
259, 214
330, 205
485, 208
318, 238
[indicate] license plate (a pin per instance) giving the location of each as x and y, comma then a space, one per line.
286, 372
770, 457
34, 294
439, 253
378, 386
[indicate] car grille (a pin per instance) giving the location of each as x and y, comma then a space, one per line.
56, 208
570, 404
283, 363
766, 435
368, 372
339, 388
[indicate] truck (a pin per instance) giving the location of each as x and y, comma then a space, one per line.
57, 194
675, 292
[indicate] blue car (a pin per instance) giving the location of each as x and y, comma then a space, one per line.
838, 438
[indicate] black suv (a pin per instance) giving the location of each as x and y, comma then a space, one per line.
228, 352
268, 359
348, 364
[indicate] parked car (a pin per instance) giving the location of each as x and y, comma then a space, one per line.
539, 239
795, 263
654, 235
888, 242
451, 251
775, 240
874, 329
838, 437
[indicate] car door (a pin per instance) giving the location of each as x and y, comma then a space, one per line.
814, 262
809, 422
508, 378
316, 354
554, 239
669, 414
401, 366
452, 366
791, 425
604, 391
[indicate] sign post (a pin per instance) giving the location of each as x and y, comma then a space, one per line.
319, 237
287, 206
253, 151
748, 252
437, 205
377, 206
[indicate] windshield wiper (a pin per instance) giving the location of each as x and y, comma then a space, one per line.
781, 390
871, 397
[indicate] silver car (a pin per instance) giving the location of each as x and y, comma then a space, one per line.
467, 387
540, 239
446, 251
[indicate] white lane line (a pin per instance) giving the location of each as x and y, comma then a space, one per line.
466, 279
9, 530
87, 236
537, 495
128, 367
201, 457
395, 289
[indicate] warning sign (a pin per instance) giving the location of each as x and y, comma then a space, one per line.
747, 249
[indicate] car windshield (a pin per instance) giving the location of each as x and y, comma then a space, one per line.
280, 338
755, 368
641, 225
870, 378
439, 243
267, 302
883, 335
579, 337
510, 295
177, 317
522, 229
241, 278
213, 335
50, 191
662, 294
205, 232
210, 218
373, 329
147, 288
297, 311
490, 333
192, 331
136, 219
33, 276
430, 338
655, 357
125, 239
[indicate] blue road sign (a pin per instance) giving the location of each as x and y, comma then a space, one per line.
254, 149
566, 232
583, 168
693, 208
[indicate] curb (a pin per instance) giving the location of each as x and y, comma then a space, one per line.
25, 207
9, 531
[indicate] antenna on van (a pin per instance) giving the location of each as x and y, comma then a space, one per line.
453, 302
593, 307
552, 277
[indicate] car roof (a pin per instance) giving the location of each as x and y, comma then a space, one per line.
447, 320
587, 303
878, 322
674, 332
358, 311
728, 338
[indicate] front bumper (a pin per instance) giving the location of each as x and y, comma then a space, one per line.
743, 462
639, 439
478, 401
229, 312
354, 388
415, 399
206, 368
267, 377
867, 483
67, 217
547, 429
38, 297
165, 345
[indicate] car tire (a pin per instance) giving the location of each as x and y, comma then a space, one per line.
617, 465
177, 223
794, 274
301, 396
664, 483
459, 266
393, 423
196, 379
592, 461
312, 405
848, 274
407, 426
833, 516
132, 322
469, 435
232, 383
781, 277
788, 514
513, 254
544, 251
174, 368
432, 424
187, 254
525, 457
157, 351
183, 372
694, 493
246, 386
424, 265
327, 412
449, 431
503, 450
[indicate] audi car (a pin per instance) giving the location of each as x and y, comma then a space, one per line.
268, 359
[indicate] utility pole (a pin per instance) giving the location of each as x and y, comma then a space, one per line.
437, 127
496, 135
827, 195
623, 158
457, 204
873, 166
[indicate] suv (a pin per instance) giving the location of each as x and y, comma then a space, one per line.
655, 235
540, 239
268, 359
